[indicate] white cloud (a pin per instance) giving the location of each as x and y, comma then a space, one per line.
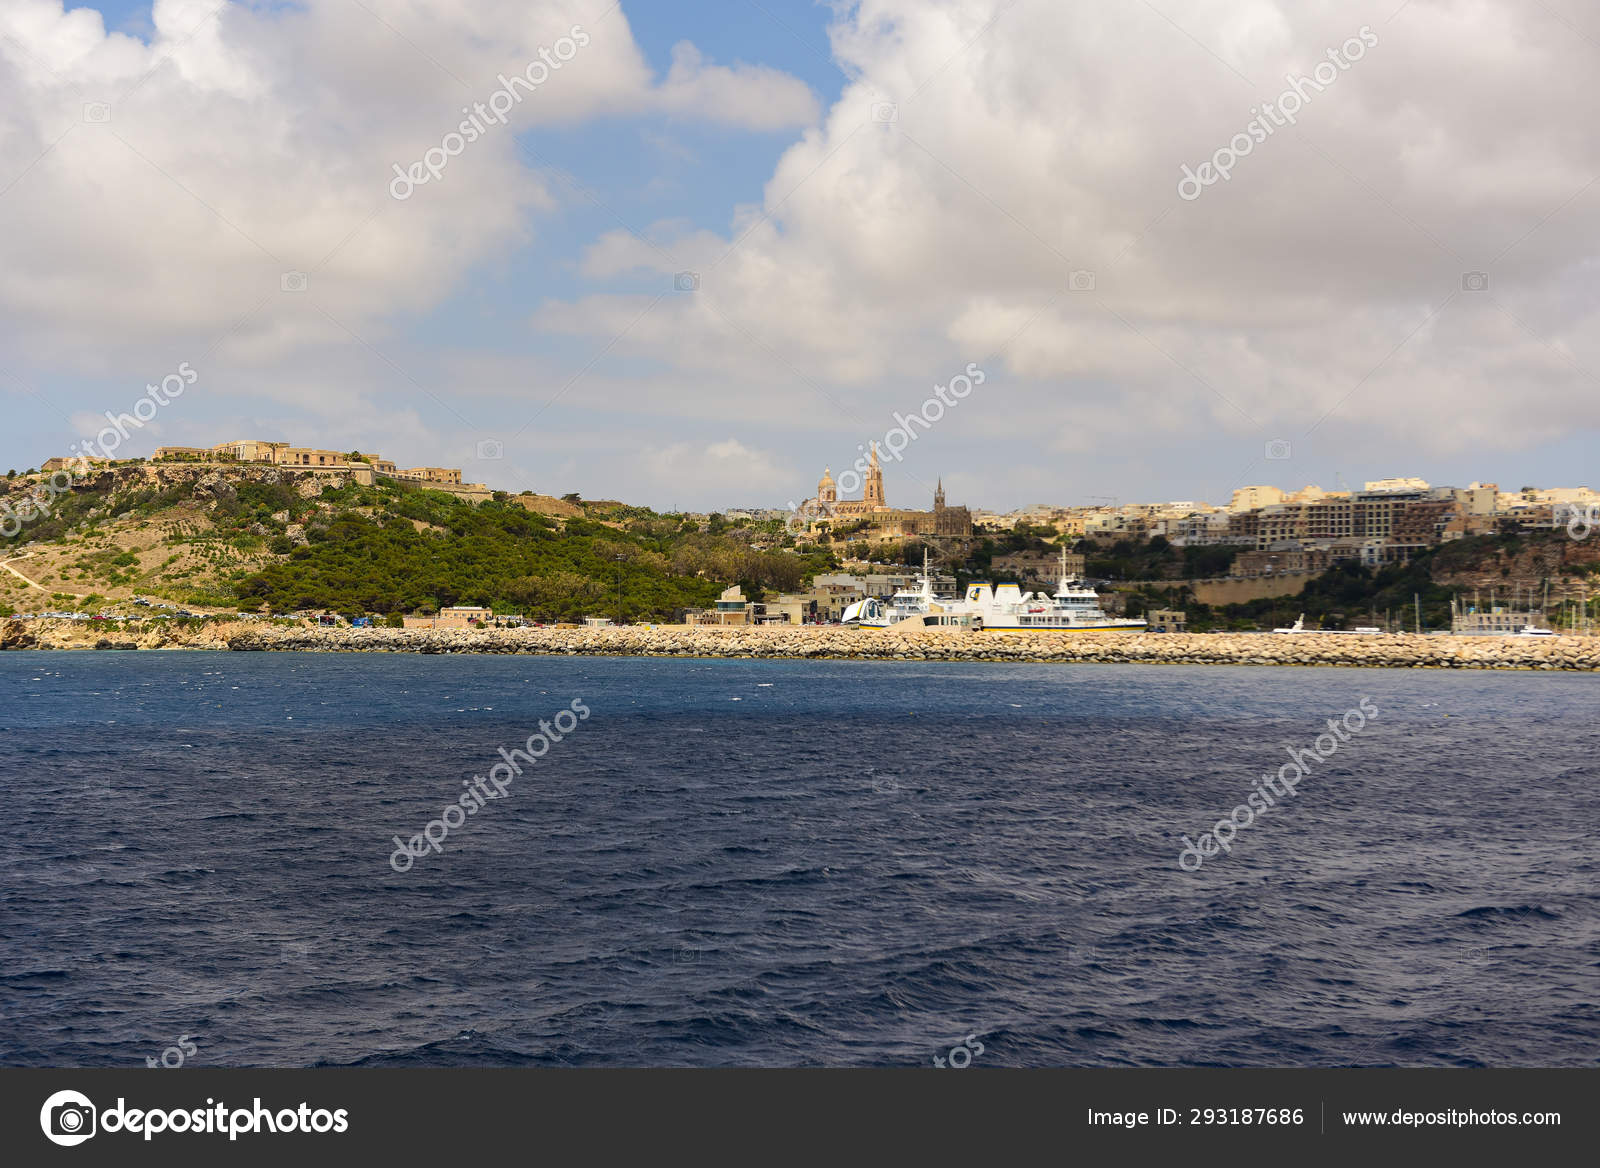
245, 141
1051, 140
728, 469
1024, 140
752, 96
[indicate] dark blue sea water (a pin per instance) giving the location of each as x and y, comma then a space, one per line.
786, 863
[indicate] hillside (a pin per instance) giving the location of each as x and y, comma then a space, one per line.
267, 539
1523, 565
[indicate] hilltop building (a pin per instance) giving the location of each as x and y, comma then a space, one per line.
883, 521
365, 468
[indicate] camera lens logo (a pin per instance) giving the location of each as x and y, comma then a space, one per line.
67, 1118
1581, 521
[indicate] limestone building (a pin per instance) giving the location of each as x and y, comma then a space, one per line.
882, 520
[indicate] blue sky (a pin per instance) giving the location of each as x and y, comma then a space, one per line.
525, 303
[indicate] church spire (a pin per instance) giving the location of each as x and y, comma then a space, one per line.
873, 496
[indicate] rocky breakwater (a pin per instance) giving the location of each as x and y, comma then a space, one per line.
1396, 651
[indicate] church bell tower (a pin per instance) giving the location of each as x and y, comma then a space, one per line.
873, 496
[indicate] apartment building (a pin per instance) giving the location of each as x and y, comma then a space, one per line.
307, 456
424, 474
1252, 498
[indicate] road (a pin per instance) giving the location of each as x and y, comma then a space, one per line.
6, 564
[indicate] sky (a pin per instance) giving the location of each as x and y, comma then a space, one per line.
692, 254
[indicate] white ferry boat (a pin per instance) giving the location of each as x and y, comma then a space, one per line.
1073, 606
920, 604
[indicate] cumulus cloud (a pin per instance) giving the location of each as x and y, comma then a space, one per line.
163, 190
984, 151
745, 95
997, 182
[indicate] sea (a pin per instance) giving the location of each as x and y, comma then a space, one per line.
242, 859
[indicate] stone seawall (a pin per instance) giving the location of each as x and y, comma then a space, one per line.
1397, 651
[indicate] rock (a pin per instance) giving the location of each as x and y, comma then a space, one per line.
213, 486
15, 635
1309, 649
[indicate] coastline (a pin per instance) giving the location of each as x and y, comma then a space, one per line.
1390, 651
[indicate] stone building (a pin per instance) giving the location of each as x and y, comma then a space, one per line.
882, 520
364, 468
1167, 620
1038, 567
460, 616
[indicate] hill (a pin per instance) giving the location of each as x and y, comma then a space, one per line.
269, 539
1520, 568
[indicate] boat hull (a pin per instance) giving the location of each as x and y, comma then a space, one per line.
1132, 627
